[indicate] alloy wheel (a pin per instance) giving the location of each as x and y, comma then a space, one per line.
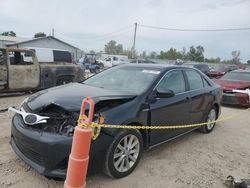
126, 153
211, 118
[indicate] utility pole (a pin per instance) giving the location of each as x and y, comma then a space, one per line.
53, 32
133, 48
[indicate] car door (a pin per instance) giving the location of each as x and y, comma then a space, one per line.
23, 70
169, 111
200, 96
3, 70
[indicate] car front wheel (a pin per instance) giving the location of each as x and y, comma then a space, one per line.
123, 154
211, 117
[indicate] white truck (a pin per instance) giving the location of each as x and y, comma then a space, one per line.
113, 60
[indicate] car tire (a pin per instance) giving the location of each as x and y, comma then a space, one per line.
123, 154
211, 116
101, 66
97, 70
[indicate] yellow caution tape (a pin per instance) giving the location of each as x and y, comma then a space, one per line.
97, 127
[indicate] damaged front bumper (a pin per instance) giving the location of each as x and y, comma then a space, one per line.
47, 152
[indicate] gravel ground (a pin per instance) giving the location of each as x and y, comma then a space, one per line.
193, 161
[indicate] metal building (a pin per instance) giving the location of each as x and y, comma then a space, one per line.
5, 40
47, 42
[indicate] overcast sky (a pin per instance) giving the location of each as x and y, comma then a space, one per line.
85, 23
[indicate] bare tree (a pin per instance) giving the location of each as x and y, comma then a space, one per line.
236, 55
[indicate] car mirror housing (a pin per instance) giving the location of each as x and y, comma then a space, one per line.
164, 93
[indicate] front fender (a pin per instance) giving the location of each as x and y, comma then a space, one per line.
127, 114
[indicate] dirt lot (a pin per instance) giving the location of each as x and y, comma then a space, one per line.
195, 160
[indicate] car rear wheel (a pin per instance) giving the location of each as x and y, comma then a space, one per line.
123, 154
211, 117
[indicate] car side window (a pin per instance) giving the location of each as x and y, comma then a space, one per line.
1, 58
20, 58
194, 79
174, 81
206, 84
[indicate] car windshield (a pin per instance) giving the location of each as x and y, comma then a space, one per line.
242, 76
133, 80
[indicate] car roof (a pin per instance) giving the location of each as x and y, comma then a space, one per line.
241, 71
151, 65
156, 66
193, 64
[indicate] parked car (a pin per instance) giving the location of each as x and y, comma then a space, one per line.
200, 66
232, 67
141, 61
218, 71
20, 71
130, 94
238, 79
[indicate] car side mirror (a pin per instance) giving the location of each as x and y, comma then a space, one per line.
164, 93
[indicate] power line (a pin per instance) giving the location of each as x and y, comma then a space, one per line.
77, 39
104, 35
113, 35
196, 30
117, 31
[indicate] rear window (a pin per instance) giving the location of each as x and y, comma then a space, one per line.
242, 76
202, 67
62, 56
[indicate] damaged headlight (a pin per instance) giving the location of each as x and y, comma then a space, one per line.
67, 127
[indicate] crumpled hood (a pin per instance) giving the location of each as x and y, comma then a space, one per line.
232, 84
70, 96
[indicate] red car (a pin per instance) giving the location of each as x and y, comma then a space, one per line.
238, 79
218, 71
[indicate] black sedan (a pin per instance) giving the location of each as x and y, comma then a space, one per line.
141, 94
200, 66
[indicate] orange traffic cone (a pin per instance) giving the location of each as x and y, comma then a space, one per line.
79, 157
